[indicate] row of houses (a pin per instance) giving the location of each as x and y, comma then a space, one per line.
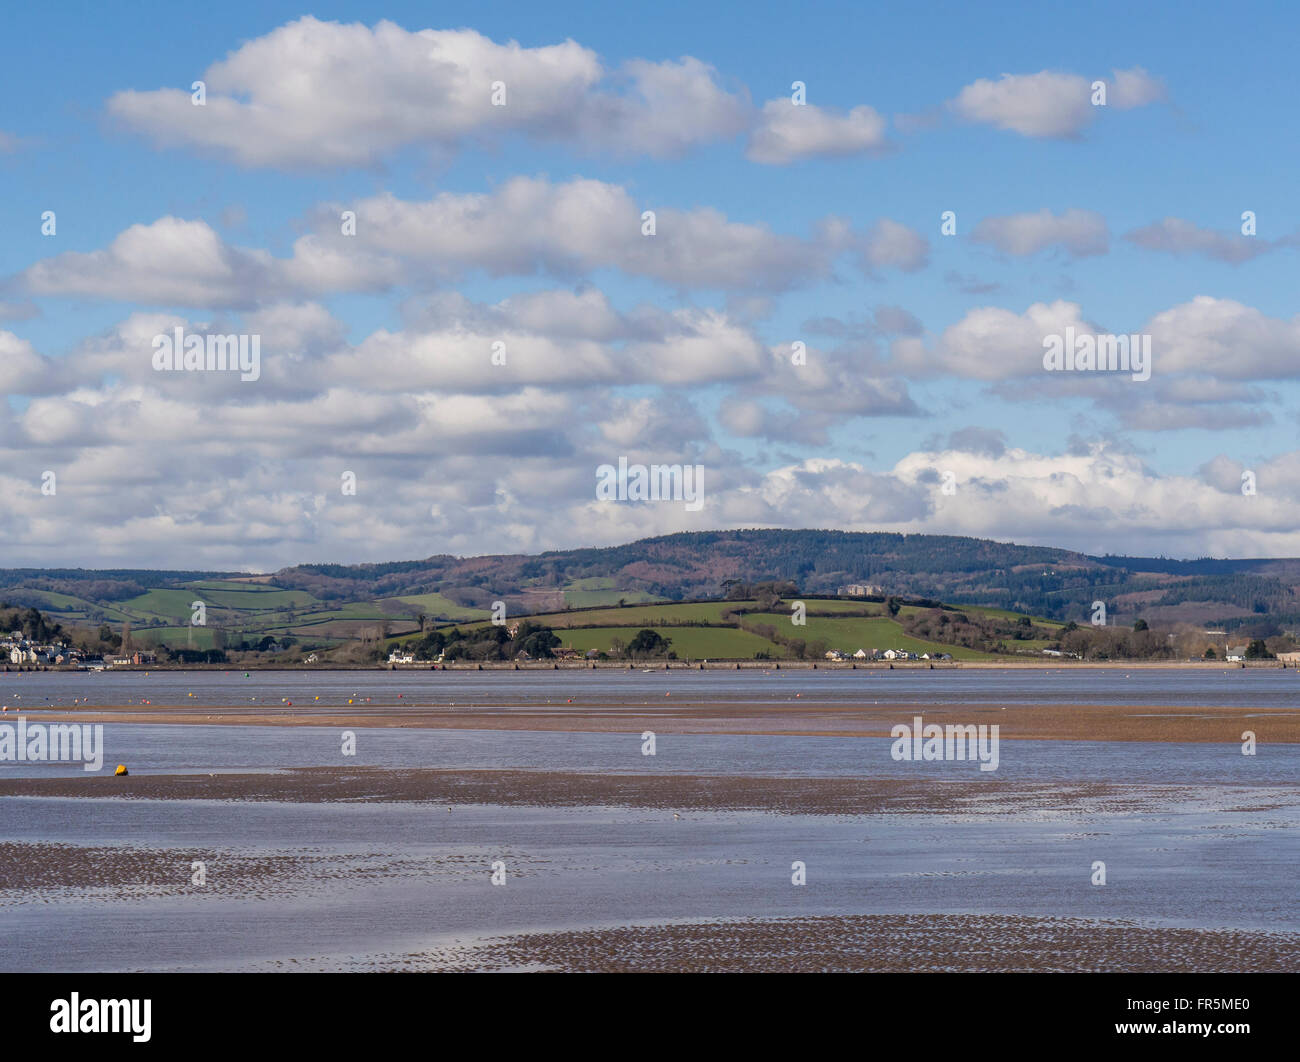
885, 654
15, 649
20, 651
135, 659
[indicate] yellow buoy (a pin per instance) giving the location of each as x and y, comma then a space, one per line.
121, 769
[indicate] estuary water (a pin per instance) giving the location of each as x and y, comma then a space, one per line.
1231, 687
1203, 836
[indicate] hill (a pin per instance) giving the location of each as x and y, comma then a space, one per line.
330, 604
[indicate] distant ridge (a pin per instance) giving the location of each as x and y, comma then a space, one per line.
1054, 583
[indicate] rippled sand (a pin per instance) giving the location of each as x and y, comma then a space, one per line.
865, 944
52, 873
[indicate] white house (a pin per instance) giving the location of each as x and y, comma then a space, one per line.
861, 590
399, 657
862, 654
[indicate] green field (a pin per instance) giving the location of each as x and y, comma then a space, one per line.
246, 598
66, 608
361, 610
160, 604
248, 611
1002, 613
594, 598
689, 643
875, 608
595, 628
853, 633
177, 637
643, 615
436, 606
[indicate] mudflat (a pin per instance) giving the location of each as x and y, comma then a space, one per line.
916, 943
685, 792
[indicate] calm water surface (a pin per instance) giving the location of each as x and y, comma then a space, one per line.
1254, 687
338, 882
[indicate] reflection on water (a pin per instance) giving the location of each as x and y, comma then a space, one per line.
1255, 687
156, 748
361, 879
310, 881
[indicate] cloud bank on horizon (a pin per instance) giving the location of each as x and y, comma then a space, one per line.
826, 262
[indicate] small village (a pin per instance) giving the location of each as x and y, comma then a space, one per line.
16, 650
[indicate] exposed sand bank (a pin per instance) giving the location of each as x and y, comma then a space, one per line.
878, 943
806, 796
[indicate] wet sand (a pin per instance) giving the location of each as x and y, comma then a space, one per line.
47, 872
805, 717
695, 934
518, 788
876, 944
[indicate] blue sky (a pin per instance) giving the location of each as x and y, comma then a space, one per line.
1123, 219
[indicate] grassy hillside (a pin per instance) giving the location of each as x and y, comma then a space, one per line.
689, 643
851, 633
324, 605
738, 630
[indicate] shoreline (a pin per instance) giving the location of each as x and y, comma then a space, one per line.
1010, 664
802, 718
